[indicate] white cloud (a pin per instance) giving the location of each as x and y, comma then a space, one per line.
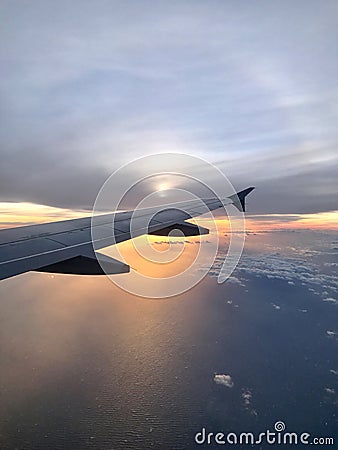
330, 391
275, 306
331, 333
331, 300
246, 396
285, 268
224, 380
235, 280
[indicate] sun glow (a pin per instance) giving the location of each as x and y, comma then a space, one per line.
162, 187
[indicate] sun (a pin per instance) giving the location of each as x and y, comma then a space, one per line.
162, 187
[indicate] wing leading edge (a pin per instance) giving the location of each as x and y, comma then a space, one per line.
67, 246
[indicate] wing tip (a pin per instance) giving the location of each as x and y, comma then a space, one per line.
238, 199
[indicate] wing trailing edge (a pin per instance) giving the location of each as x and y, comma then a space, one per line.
87, 264
176, 230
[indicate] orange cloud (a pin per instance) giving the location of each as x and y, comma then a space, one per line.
17, 214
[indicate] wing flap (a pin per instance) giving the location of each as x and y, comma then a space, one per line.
176, 230
87, 264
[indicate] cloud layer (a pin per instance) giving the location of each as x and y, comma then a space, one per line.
86, 87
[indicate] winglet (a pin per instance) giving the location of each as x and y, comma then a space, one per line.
238, 199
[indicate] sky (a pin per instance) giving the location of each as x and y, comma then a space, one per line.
249, 86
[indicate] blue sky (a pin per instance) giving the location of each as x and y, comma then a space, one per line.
251, 86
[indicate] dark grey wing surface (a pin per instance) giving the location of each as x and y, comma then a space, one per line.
67, 246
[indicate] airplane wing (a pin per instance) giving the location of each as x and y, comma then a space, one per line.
67, 246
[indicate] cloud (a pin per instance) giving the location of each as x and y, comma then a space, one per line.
275, 306
235, 280
331, 333
181, 242
246, 396
330, 391
334, 301
85, 88
292, 270
224, 380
